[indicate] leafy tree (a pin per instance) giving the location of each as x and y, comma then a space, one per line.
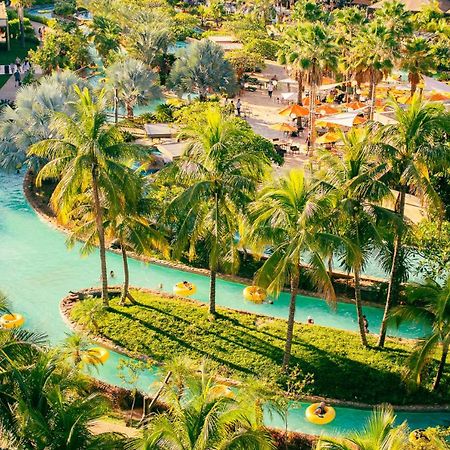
205, 414
202, 69
87, 155
105, 34
64, 47
379, 432
411, 147
20, 5
356, 183
285, 216
220, 174
428, 303
309, 11
244, 61
267, 48
135, 83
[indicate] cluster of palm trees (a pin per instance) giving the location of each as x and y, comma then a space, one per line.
361, 50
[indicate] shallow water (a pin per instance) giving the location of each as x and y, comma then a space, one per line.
36, 271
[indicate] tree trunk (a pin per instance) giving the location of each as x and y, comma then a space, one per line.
347, 87
358, 303
126, 275
21, 26
101, 235
441, 367
130, 112
299, 78
213, 262
393, 278
212, 293
373, 91
132, 408
291, 322
312, 117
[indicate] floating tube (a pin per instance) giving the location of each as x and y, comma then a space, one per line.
12, 320
96, 355
255, 294
328, 417
184, 289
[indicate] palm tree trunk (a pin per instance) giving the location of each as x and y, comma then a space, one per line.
393, 279
299, 78
358, 303
291, 322
130, 112
212, 292
347, 87
21, 25
312, 117
126, 275
101, 235
373, 91
213, 268
441, 367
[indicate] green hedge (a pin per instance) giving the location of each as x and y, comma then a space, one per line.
248, 345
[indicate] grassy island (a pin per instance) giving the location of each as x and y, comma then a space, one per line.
244, 345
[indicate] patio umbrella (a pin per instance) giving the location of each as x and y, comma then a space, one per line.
327, 109
438, 97
294, 110
328, 138
306, 102
359, 120
282, 127
355, 105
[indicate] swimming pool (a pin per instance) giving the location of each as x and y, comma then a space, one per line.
36, 271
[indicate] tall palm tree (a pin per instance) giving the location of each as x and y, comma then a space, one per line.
373, 57
428, 303
315, 49
286, 216
220, 176
105, 34
20, 5
204, 415
417, 60
134, 83
88, 153
357, 184
379, 432
412, 147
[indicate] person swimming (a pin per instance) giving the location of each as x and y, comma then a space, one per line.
321, 410
112, 274
310, 320
187, 285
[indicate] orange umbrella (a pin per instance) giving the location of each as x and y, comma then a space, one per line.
327, 80
328, 138
326, 109
379, 102
295, 110
355, 105
306, 102
282, 127
438, 97
359, 120
324, 123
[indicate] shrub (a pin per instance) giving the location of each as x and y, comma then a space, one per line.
267, 48
65, 8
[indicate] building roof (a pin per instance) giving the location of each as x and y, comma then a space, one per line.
416, 5
3, 15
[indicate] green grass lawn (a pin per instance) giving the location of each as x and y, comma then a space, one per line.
3, 79
7, 57
247, 345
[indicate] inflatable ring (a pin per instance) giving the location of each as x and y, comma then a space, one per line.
12, 320
184, 290
96, 355
328, 417
254, 294
417, 436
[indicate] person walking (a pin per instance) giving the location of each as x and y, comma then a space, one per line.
270, 89
17, 78
238, 107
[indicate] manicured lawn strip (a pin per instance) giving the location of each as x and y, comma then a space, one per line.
3, 80
16, 51
248, 345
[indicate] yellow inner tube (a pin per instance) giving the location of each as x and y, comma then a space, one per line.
12, 320
184, 290
96, 355
328, 417
254, 294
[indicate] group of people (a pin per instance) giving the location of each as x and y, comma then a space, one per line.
19, 69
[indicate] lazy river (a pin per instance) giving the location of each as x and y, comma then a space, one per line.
37, 271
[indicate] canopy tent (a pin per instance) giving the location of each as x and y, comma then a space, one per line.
416, 5
434, 85
288, 95
383, 119
294, 110
343, 120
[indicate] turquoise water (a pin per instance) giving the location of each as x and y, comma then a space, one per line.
36, 271
45, 11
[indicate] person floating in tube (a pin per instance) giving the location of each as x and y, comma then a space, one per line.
321, 410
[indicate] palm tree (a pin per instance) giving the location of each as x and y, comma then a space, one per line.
204, 415
417, 60
220, 176
133, 82
357, 183
89, 154
202, 69
378, 433
316, 52
372, 56
20, 5
428, 303
286, 216
411, 147
105, 34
